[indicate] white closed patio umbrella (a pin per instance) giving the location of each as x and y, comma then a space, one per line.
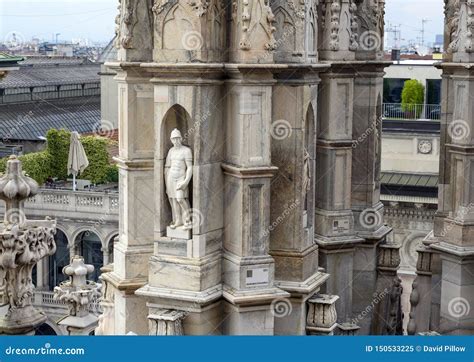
77, 160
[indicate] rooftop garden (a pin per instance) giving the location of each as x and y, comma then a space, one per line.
52, 162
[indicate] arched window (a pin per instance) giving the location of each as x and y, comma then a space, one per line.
90, 247
59, 260
111, 249
45, 330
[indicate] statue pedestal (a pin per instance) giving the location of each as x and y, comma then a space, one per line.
178, 233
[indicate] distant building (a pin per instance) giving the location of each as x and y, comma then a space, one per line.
45, 93
421, 70
109, 87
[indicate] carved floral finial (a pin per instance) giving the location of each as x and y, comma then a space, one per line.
78, 271
77, 292
22, 245
14, 184
15, 187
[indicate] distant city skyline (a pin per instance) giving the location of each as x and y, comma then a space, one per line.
71, 19
94, 19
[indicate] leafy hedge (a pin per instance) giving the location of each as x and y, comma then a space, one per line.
53, 160
58, 148
36, 165
96, 151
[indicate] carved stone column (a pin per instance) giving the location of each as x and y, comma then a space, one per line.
252, 38
334, 219
322, 315
135, 161
387, 318
78, 293
22, 244
293, 151
366, 153
424, 298
292, 224
249, 270
166, 322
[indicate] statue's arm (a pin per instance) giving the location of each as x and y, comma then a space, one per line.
189, 166
167, 165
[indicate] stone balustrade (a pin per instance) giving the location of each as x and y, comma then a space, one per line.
45, 299
73, 205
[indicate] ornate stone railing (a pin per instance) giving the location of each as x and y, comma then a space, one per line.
45, 299
73, 205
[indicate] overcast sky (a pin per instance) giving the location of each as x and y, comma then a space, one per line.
94, 19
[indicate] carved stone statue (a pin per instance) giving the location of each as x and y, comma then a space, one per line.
306, 176
178, 174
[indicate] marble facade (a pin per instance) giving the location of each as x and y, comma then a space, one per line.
285, 196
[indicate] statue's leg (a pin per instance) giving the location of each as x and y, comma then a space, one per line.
178, 216
174, 212
186, 212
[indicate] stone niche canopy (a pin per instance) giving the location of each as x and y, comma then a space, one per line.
189, 31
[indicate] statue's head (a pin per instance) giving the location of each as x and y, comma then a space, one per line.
176, 138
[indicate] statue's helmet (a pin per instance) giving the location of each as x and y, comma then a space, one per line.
176, 134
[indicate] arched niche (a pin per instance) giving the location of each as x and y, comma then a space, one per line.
312, 33
176, 27
310, 152
175, 117
378, 142
285, 33
216, 26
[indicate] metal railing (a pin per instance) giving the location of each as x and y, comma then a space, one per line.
412, 112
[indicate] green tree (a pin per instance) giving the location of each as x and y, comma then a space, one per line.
413, 96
